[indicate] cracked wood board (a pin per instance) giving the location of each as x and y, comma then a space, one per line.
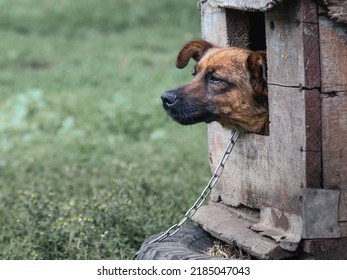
235, 230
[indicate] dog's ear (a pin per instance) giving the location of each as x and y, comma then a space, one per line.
256, 64
194, 49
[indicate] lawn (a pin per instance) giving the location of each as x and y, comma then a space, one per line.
90, 165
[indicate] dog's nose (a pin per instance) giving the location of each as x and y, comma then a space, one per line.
169, 98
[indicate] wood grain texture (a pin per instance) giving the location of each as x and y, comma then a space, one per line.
284, 227
343, 229
306, 147
234, 230
292, 45
337, 9
333, 45
214, 24
248, 5
273, 170
267, 170
326, 249
343, 206
313, 147
334, 128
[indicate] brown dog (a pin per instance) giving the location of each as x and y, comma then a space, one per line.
229, 87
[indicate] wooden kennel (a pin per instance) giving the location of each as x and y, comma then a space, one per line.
285, 195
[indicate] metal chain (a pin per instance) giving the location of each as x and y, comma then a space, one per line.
204, 194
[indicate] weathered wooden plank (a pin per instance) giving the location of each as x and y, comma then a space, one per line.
311, 52
214, 29
244, 168
287, 156
234, 230
334, 129
343, 206
273, 170
308, 11
333, 45
217, 140
249, 5
282, 226
313, 139
292, 45
327, 249
306, 131
343, 229
313, 120
337, 9
214, 24
280, 172
270, 170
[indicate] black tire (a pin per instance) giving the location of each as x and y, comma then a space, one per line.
187, 244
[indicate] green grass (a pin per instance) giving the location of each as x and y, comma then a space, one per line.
90, 165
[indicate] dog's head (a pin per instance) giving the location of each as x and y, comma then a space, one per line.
229, 87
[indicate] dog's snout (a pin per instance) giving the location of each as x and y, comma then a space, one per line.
169, 98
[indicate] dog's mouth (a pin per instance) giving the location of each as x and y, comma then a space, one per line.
189, 113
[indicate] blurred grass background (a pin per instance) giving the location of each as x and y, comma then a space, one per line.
90, 165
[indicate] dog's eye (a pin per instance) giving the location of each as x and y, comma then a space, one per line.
194, 72
214, 79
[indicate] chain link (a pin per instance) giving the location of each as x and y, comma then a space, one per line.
204, 194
